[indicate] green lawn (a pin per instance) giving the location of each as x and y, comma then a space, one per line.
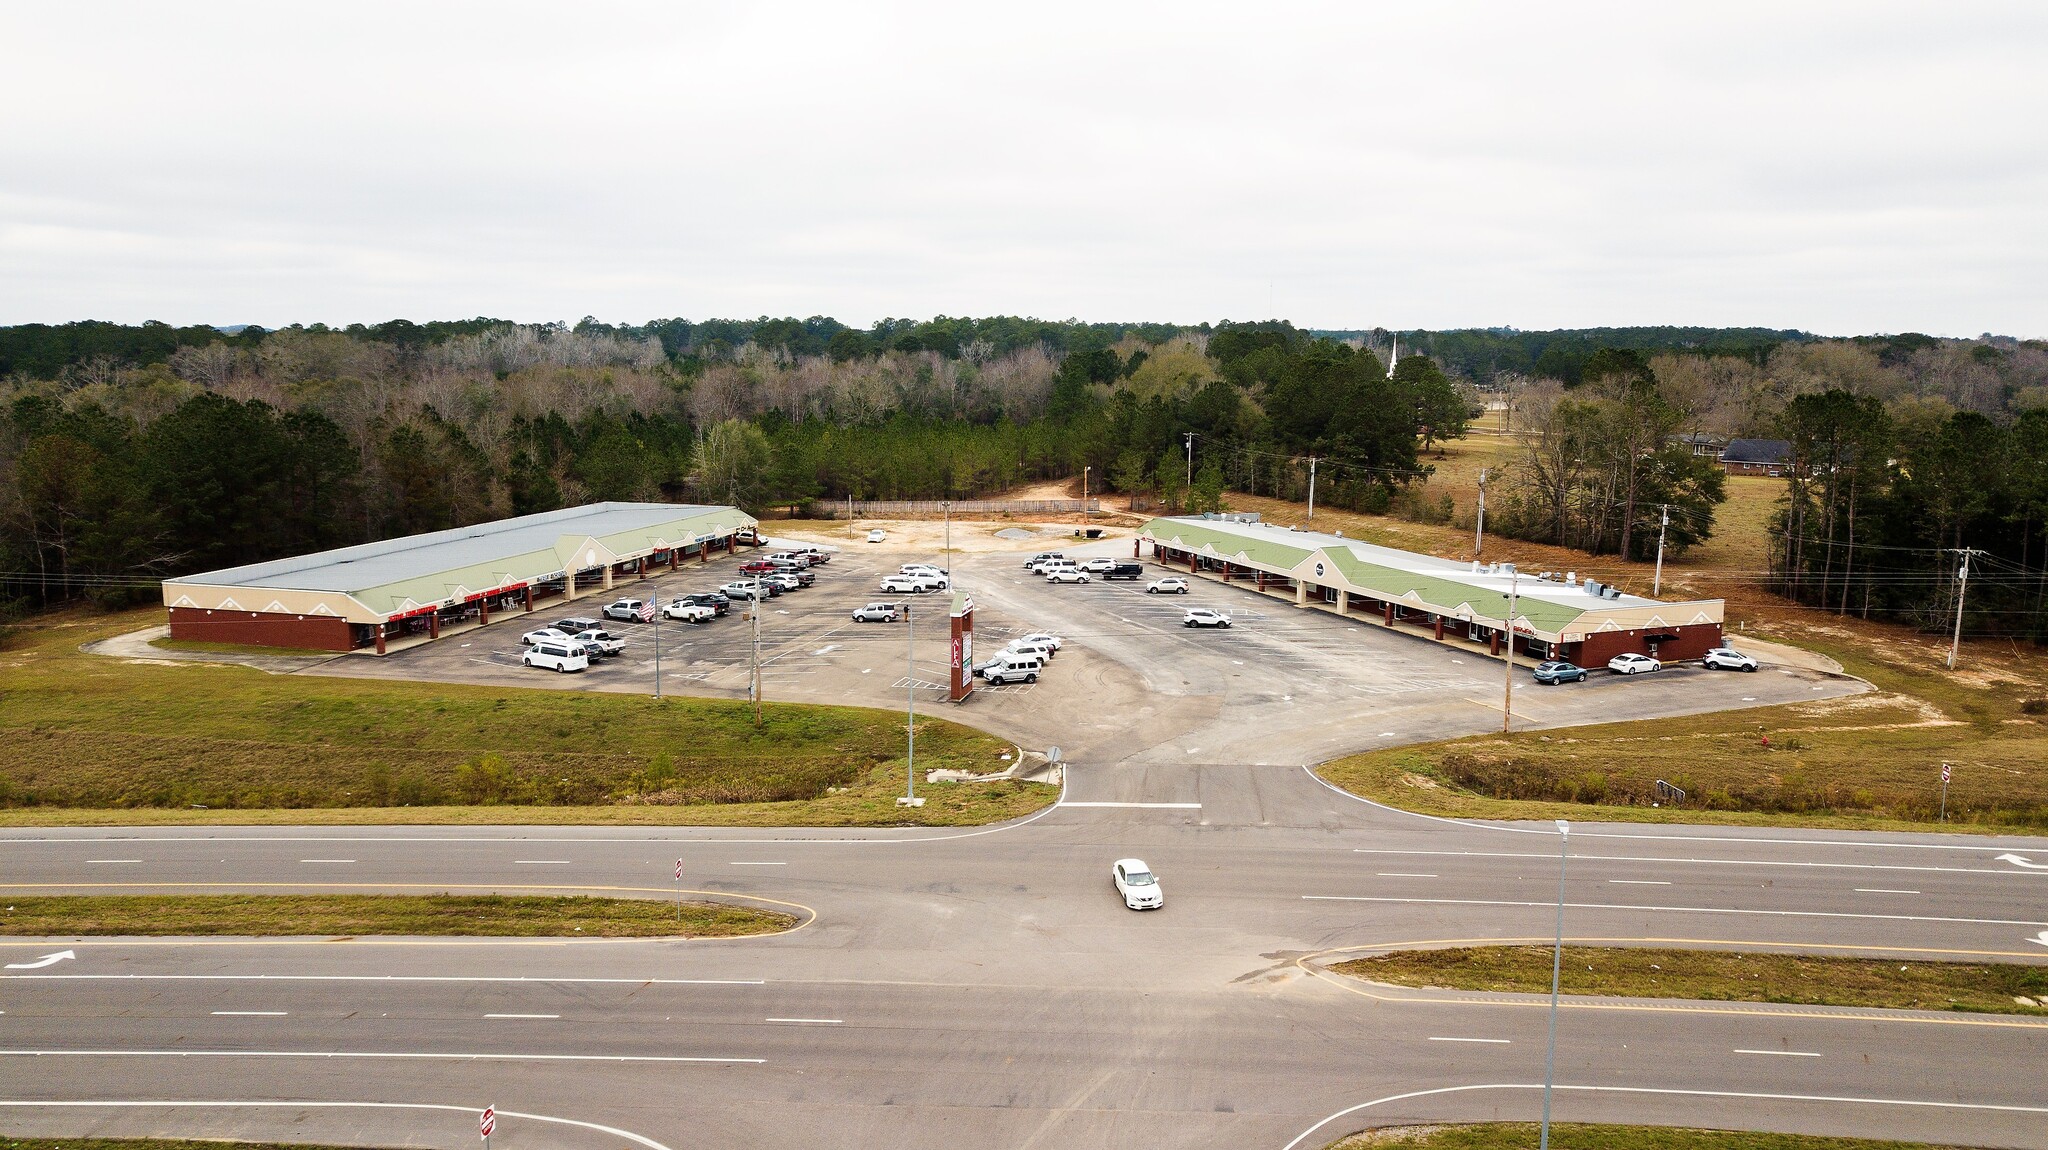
1714, 975
1585, 1136
377, 914
82, 735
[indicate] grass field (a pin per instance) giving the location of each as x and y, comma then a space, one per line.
516, 916
1718, 976
1584, 1136
84, 733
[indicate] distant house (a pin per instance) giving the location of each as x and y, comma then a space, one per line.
1770, 457
1703, 444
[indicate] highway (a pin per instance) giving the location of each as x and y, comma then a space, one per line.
987, 988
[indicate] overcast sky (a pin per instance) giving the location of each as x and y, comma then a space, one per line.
1839, 168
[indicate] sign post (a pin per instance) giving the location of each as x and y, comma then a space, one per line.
963, 647
1944, 791
487, 1122
679, 890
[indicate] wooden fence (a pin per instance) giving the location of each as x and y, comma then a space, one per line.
908, 508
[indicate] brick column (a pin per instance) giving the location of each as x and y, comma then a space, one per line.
434, 624
1439, 626
483, 611
1390, 613
529, 598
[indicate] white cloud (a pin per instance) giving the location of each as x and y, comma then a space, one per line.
1842, 168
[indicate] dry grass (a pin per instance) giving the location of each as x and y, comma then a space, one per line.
1717, 976
86, 733
1587, 1136
511, 916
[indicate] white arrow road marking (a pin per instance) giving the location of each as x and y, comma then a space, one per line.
2020, 861
2041, 938
46, 960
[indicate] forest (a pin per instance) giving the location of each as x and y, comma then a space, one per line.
130, 452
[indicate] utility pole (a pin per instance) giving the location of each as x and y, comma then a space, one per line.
1084, 492
1507, 704
849, 513
947, 506
754, 685
1657, 581
1479, 527
1962, 588
1191, 458
1311, 488
657, 650
910, 649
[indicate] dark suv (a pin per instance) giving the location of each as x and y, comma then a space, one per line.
712, 599
1125, 571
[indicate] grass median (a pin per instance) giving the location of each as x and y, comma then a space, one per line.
1594, 1136
89, 739
1719, 976
323, 915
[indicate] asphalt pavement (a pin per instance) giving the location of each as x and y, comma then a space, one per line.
985, 987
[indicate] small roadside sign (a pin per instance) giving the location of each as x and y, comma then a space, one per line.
1945, 768
487, 1122
679, 870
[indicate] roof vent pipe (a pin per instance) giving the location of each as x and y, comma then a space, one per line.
1571, 577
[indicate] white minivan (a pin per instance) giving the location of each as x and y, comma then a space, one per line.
556, 656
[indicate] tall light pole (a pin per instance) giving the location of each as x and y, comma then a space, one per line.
1311, 487
1507, 701
1084, 491
910, 658
947, 507
1657, 580
1962, 587
1191, 457
1564, 831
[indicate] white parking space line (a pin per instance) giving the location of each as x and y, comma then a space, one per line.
250, 1014
1784, 1053
1640, 881
1488, 1041
111, 861
327, 860
533, 1016
541, 862
1402, 874
1139, 806
1882, 890
760, 864
811, 1021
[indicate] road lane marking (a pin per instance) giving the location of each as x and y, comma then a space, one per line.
760, 864
811, 1021
398, 1055
541, 862
327, 860
1882, 890
1665, 1092
522, 1016
113, 860
1673, 909
531, 980
1488, 1041
250, 1014
1552, 855
1783, 1053
1140, 806
1401, 874
271, 1104
1640, 881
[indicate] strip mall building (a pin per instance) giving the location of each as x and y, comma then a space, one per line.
400, 592
1556, 615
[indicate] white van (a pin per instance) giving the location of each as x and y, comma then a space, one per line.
556, 656
1011, 667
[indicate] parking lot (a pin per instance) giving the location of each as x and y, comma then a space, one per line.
1131, 685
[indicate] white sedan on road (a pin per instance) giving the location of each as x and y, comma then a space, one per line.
1633, 664
1137, 884
1066, 575
1203, 617
1171, 585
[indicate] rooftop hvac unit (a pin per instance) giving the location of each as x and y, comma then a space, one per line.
1477, 566
1571, 577
1592, 588
1610, 592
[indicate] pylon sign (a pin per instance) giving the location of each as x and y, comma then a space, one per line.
963, 646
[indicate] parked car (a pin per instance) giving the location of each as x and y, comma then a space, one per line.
745, 589
1558, 671
1097, 566
1124, 571
813, 555
796, 557
875, 613
685, 611
1066, 575
599, 643
715, 600
548, 635
1171, 585
756, 567
924, 569
877, 535
1633, 664
1203, 617
1038, 651
780, 581
912, 584
1002, 674
1137, 884
1032, 563
1010, 666
630, 611
803, 575
556, 656
576, 625
1042, 638
1727, 659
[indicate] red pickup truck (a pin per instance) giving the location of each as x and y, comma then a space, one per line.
757, 567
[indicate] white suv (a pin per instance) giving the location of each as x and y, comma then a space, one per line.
1727, 659
556, 657
630, 611
1098, 566
1065, 575
1171, 585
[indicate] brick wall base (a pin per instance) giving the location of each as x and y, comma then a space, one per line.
260, 629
